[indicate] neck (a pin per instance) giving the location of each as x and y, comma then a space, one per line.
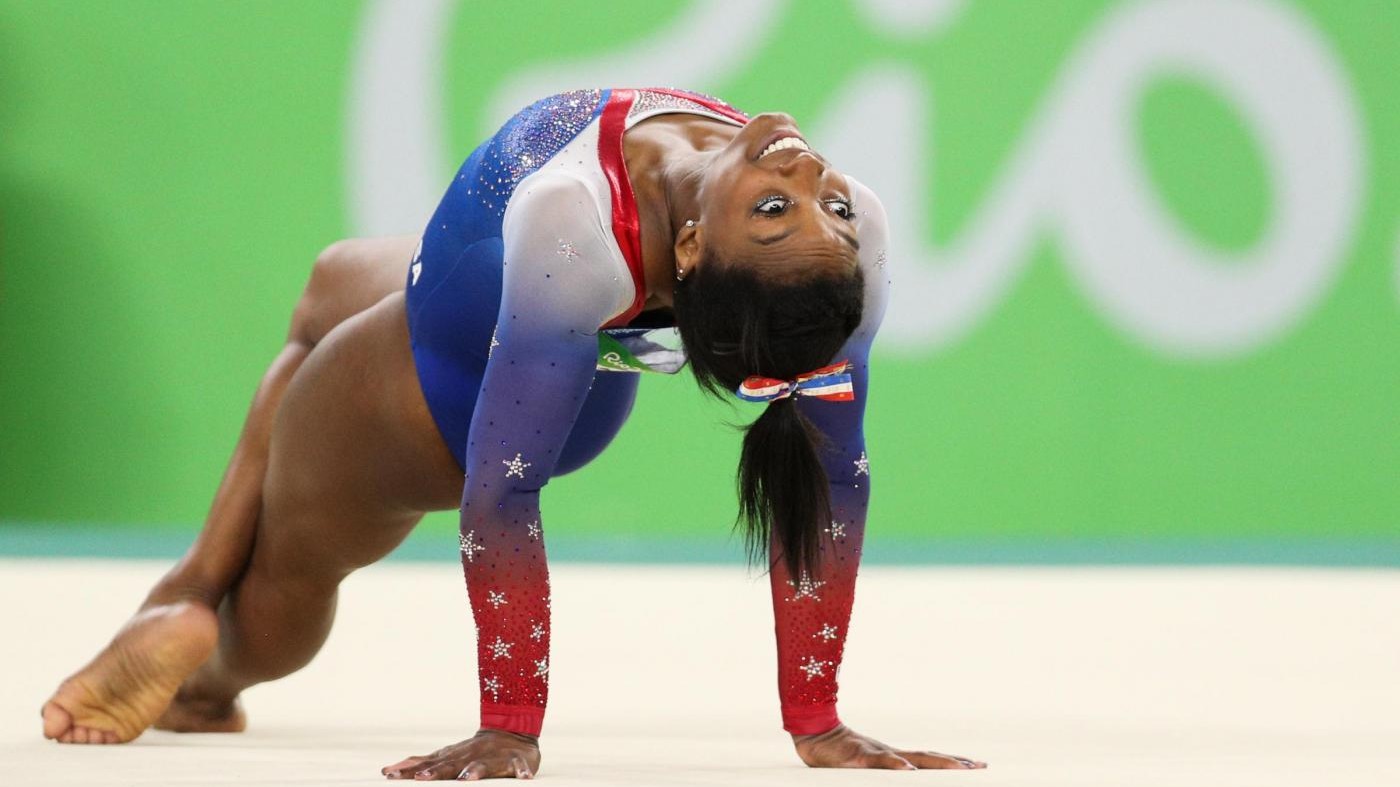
666, 156
667, 197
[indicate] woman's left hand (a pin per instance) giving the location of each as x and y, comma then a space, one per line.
843, 747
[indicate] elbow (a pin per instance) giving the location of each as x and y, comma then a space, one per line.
482, 501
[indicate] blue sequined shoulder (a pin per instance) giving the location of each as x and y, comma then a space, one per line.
528, 140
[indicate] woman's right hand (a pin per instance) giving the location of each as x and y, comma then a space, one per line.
485, 755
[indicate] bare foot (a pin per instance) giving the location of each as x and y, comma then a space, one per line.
131, 682
189, 714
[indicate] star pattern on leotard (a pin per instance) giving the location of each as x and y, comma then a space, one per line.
862, 465
467, 542
496, 599
805, 587
500, 649
491, 685
814, 667
837, 529
882, 258
515, 467
533, 529
494, 343
536, 631
541, 667
827, 633
567, 250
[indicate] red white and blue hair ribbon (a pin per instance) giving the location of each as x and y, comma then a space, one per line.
832, 383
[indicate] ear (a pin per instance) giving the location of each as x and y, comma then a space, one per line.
688, 248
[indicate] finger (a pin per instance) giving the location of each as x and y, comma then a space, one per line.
402, 767
886, 760
474, 771
934, 760
434, 771
520, 768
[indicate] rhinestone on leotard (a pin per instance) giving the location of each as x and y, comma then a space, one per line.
529, 139
655, 102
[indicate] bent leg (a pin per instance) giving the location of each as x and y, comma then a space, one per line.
130, 682
348, 277
355, 460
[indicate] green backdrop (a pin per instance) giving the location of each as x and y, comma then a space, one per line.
169, 170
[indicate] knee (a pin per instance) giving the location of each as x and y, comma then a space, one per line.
326, 272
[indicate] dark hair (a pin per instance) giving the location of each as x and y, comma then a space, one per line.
736, 322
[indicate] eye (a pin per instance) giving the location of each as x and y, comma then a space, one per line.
841, 207
773, 205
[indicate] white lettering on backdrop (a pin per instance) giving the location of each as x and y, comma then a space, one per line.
1076, 175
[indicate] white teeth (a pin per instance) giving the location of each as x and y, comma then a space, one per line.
785, 143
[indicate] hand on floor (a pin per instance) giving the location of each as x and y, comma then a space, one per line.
842, 747
488, 754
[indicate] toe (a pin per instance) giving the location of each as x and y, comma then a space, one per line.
56, 720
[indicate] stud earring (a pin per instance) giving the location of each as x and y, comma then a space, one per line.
681, 275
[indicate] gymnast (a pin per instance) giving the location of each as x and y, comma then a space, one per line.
598, 234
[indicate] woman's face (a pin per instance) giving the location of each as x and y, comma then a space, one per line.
768, 200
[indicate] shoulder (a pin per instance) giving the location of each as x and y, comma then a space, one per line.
873, 232
556, 196
561, 251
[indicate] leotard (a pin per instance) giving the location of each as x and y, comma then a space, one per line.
525, 313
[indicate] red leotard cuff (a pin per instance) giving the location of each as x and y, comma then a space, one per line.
522, 719
810, 719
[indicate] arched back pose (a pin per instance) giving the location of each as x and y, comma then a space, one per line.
566, 248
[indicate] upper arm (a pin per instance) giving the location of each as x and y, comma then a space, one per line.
560, 283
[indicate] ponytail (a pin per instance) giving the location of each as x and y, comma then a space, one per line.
736, 322
783, 494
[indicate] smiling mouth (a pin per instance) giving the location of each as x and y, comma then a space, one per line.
785, 143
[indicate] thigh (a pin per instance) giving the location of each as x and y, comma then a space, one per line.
603, 414
355, 458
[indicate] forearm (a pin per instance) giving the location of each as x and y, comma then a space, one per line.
812, 614
503, 557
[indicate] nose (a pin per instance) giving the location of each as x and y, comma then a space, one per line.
804, 163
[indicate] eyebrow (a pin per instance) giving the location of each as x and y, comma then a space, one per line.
771, 239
